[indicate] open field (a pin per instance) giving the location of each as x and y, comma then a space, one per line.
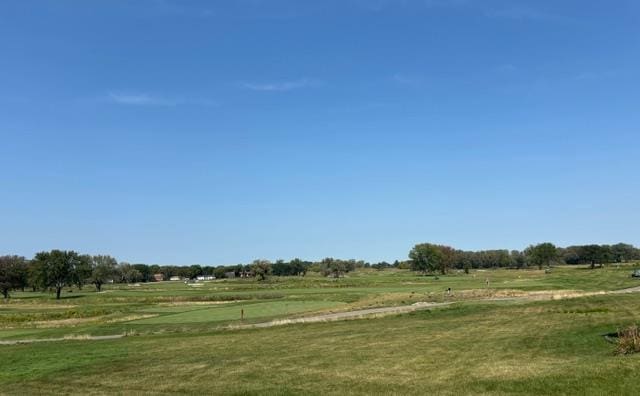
527, 332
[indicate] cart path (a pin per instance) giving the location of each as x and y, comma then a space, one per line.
349, 314
80, 338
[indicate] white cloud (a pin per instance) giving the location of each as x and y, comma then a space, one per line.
282, 85
523, 13
506, 68
140, 99
407, 79
381, 5
172, 7
146, 99
590, 75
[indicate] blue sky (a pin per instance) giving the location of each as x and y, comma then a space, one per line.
217, 132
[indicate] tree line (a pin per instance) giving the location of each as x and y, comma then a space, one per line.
57, 269
434, 258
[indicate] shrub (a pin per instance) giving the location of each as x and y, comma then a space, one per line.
628, 340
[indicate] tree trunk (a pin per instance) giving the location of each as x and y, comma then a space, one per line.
58, 289
5, 293
593, 264
98, 286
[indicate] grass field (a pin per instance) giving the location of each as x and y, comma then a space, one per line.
184, 339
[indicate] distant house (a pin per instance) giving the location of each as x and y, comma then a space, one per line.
175, 278
230, 274
205, 277
158, 277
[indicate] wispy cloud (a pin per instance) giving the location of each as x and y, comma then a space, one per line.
282, 85
445, 3
238, 9
171, 7
407, 79
506, 68
14, 99
140, 99
146, 99
381, 5
590, 75
524, 13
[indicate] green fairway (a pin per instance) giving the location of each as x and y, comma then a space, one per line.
179, 340
224, 313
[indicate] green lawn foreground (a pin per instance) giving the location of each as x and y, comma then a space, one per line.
472, 347
533, 348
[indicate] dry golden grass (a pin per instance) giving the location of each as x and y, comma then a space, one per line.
628, 340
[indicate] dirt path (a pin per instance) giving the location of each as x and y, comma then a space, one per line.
80, 338
628, 290
349, 314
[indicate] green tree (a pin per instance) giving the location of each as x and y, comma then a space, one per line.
518, 259
622, 252
128, 273
261, 268
57, 268
426, 257
449, 257
36, 275
542, 254
82, 270
145, 272
12, 274
593, 254
219, 272
103, 269
195, 271
333, 267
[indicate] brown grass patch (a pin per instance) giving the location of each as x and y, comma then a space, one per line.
628, 340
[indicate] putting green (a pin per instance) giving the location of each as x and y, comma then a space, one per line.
225, 313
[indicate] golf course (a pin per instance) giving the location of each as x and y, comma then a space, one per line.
392, 331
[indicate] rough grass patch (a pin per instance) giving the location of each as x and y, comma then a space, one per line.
628, 340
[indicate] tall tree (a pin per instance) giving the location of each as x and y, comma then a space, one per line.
333, 267
425, 257
12, 270
35, 275
622, 252
542, 254
103, 270
261, 268
82, 270
128, 273
449, 257
57, 268
593, 254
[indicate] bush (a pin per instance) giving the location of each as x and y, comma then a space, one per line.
628, 340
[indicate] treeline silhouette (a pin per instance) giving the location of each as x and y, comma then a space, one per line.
57, 269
